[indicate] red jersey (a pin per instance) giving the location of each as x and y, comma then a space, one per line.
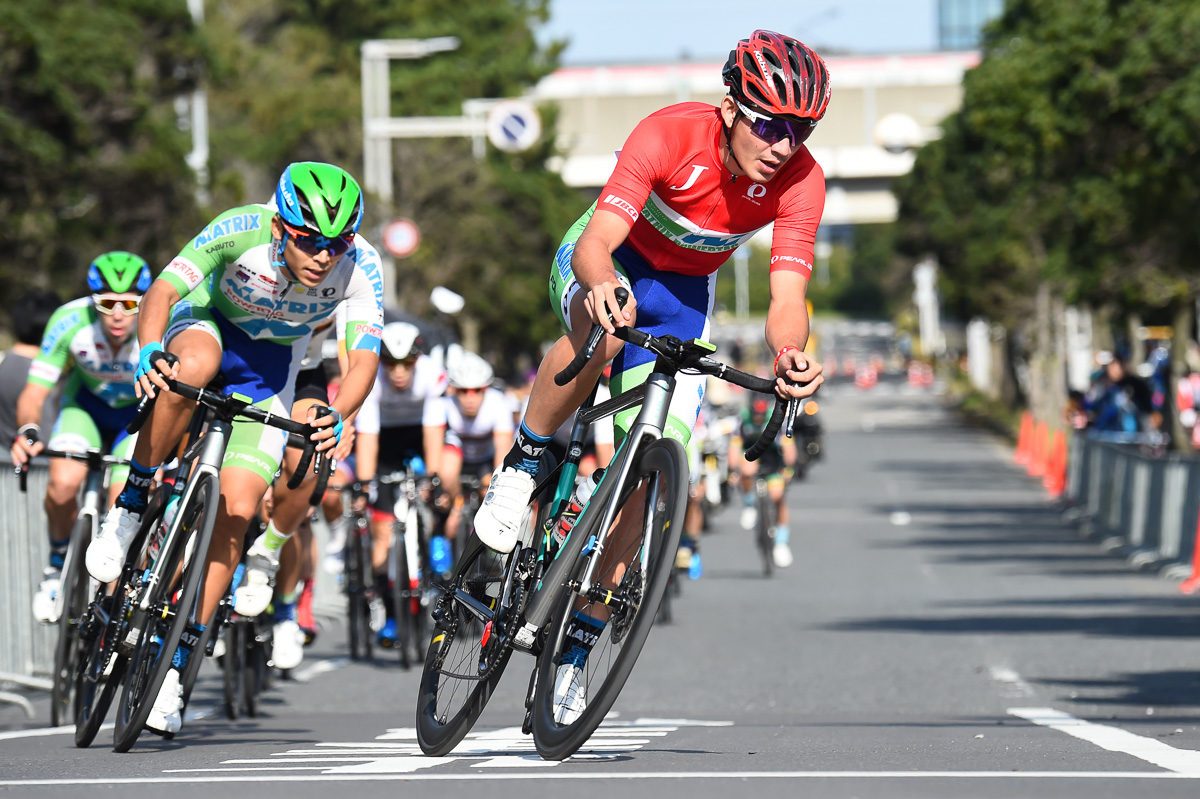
688, 212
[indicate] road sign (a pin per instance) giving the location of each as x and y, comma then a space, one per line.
513, 126
401, 237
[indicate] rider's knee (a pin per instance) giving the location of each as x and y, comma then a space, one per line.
61, 493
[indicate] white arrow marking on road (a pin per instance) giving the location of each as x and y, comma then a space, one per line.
1113, 739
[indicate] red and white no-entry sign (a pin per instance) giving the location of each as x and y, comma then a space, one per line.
401, 237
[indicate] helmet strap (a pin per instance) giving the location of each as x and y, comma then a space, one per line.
279, 263
729, 141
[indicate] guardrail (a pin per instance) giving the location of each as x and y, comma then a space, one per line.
1146, 507
26, 646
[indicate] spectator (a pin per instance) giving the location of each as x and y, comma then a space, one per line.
1187, 396
1119, 402
35, 306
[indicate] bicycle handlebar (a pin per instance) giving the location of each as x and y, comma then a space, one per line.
89, 457
231, 406
678, 351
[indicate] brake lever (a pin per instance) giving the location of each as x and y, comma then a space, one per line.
789, 419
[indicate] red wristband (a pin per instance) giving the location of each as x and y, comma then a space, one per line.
775, 369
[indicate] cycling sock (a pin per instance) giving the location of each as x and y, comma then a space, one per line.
748, 499
187, 644
781, 534
583, 632
272, 540
285, 609
136, 493
526, 452
58, 553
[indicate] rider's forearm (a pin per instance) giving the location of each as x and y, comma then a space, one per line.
357, 382
434, 439
155, 311
592, 261
29, 404
366, 455
787, 324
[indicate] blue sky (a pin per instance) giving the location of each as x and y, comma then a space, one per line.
615, 31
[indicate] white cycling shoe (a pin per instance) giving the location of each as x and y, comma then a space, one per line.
570, 697
167, 714
749, 517
504, 512
782, 555
106, 554
287, 650
258, 586
44, 601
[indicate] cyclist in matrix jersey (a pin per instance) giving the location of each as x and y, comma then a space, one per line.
242, 299
692, 184
93, 340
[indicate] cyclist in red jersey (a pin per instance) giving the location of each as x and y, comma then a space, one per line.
692, 183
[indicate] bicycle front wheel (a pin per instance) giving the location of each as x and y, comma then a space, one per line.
233, 667
573, 694
467, 656
68, 653
766, 540
162, 627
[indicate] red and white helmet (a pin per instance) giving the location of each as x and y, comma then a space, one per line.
778, 75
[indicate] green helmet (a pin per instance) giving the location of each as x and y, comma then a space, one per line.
119, 272
320, 197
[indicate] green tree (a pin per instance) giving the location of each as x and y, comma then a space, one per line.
1072, 163
91, 156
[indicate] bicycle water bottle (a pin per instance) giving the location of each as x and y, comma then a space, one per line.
160, 535
583, 492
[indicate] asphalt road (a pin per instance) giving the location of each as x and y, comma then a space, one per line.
943, 632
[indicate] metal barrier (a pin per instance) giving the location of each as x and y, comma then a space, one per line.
1149, 505
26, 646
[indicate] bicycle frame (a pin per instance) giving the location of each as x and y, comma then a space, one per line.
655, 398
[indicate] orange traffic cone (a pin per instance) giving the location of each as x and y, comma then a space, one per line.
1191, 584
1056, 465
1041, 450
1024, 452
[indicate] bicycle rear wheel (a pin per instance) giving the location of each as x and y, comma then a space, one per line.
357, 572
401, 596
233, 667
160, 630
68, 651
466, 656
661, 468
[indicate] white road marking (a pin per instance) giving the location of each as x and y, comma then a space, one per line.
1014, 685
319, 668
1180, 761
192, 778
901, 518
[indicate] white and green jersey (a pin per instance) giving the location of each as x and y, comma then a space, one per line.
230, 266
74, 339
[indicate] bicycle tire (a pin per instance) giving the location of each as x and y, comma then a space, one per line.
233, 668
254, 677
358, 614
67, 653
438, 733
401, 596
148, 671
94, 689
765, 541
665, 458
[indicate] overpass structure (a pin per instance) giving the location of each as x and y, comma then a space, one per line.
882, 107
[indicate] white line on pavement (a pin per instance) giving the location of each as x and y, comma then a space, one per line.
1015, 686
582, 775
1181, 761
320, 667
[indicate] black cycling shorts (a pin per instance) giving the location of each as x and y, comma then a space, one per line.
312, 384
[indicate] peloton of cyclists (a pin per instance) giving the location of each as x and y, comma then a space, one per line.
93, 342
691, 184
467, 431
242, 299
408, 380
